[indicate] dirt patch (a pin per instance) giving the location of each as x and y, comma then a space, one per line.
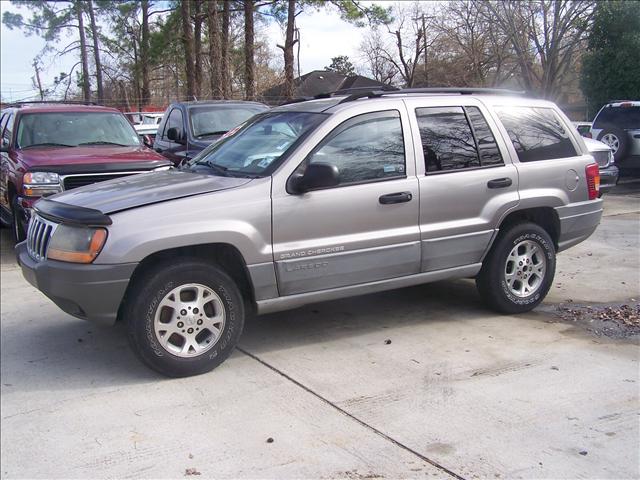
619, 320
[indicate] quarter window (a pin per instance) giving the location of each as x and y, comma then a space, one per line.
536, 133
365, 148
486, 142
447, 140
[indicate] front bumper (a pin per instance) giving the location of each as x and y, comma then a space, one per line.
608, 178
91, 292
578, 221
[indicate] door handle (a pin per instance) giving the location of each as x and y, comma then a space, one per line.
499, 183
399, 197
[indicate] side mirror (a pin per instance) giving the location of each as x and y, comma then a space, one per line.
174, 136
316, 175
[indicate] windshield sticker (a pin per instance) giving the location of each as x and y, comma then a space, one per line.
283, 145
265, 162
389, 168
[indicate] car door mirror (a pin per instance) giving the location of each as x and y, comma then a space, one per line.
315, 176
174, 136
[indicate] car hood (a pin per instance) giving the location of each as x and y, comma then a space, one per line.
144, 189
97, 154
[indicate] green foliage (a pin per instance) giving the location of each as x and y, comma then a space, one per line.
611, 66
341, 64
49, 19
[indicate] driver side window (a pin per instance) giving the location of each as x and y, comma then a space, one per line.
365, 148
174, 121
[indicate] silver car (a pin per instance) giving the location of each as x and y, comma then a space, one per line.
319, 200
618, 125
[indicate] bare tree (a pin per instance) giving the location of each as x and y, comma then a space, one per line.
376, 59
225, 77
546, 36
289, 42
197, 46
96, 51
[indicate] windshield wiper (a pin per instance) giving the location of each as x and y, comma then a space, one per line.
218, 132
48, 144
218, 168
104, 143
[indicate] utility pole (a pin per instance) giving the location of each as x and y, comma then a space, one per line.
424, 40
38, 83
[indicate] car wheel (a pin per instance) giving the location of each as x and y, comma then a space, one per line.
617, 141
518, 271
184, 318
17, 225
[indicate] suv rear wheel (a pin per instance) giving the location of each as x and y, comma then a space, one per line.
184, 318
518, 271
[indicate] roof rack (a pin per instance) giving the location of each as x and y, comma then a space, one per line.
49, 102
463, 90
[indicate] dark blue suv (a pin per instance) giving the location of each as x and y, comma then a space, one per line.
189, 127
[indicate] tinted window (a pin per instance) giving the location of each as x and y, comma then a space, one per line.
219, 119
174, 121
486, 142
622, 117
447, 141
365, 148
75, 128
536, 133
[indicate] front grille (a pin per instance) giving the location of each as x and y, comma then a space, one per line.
38, 236
75, 181
601, 157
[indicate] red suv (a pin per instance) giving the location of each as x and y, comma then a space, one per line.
48, 148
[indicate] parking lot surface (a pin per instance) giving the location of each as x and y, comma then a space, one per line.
423, 382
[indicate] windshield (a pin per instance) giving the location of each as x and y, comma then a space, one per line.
259, 144
70, 129
219, 119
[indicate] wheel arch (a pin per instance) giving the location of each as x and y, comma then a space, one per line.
545, 217
223, 255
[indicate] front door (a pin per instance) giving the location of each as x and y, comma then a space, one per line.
362, 230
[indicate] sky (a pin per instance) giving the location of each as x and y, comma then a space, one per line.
323, 36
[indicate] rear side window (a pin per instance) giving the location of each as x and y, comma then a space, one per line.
366, 148
621, 117
8, 129
536, 133
456, 138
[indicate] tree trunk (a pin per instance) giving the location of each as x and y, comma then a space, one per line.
86, 86
249, 60
289, 43
145, 92
38, 82
96, 52
214, 47
197, 47
224, 64
187, 43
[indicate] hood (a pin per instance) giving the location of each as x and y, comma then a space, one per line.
144, 189
97, 154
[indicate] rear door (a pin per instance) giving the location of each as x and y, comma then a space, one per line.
467, 182
366, 228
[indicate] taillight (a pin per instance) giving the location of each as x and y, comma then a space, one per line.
593, 180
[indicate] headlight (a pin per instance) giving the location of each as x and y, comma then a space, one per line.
76, 244
39, 184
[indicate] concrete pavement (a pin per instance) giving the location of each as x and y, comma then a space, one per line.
422, 382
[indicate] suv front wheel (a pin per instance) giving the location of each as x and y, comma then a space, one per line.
184, 318
518, 271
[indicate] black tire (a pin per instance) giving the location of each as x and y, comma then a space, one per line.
17, 225
491, 281
143, 302
623, 141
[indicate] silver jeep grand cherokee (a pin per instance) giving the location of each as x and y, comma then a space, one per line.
319, 200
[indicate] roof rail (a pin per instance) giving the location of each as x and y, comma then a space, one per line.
462, 90
49, 102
